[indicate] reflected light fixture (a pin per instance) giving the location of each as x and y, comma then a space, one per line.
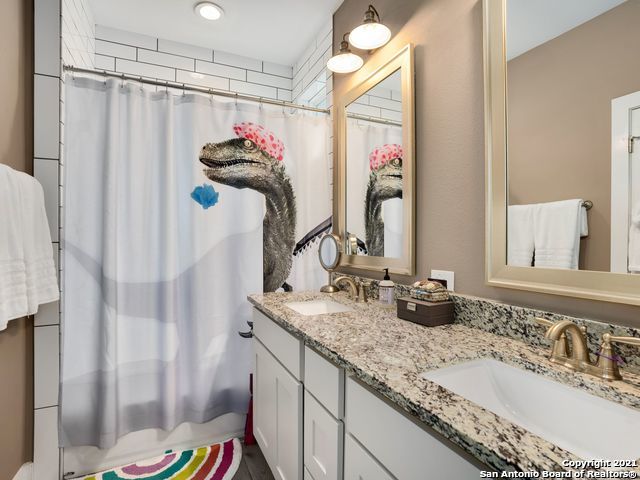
344, 61
208, 10
372, 33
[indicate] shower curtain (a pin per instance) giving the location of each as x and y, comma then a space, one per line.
159, 258
364, 138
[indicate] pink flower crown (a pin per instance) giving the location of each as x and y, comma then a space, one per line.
384, 154
263, 138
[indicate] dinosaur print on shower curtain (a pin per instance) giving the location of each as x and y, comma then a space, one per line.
254, 160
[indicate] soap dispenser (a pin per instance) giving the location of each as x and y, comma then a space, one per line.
386, 289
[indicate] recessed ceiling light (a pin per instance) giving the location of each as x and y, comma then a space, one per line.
208, 10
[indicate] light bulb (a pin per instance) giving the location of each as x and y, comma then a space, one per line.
208, 10
344, 63
369, 36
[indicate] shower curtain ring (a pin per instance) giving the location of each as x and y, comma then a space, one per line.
183, 90
122, 82
141, 84
166, 87
236, 100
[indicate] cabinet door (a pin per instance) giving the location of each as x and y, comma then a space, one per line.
359, 465
322, 441
277, 415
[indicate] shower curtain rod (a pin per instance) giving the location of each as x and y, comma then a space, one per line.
193, 88
368, 118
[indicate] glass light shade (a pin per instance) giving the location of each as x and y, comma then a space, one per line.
369, 36
344, 63
208, 11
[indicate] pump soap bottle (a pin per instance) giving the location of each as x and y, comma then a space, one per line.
386, 289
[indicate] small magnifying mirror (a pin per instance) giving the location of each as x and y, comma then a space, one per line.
329, 254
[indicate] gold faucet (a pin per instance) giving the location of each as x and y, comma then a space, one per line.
358, 290
606, 367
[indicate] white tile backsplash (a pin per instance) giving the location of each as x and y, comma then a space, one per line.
185, 50
126, 38
145, 69
237, 61
221, 70
105, 63
46, 455
277, 69
48, 314
133, 54
46, 172
115, 50
46, 101
46, 37
46, 365
271, 80
166, 59
253, 89
202, 80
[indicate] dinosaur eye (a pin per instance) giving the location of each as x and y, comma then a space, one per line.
248, 144
396, 162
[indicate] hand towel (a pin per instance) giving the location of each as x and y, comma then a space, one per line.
27, 271
13, 285
634, 240
41, 278
520, 236
557, 227
584, 222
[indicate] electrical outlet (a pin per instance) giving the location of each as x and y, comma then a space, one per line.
444, 275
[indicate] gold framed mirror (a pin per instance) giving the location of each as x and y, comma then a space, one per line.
376, 168
562, 182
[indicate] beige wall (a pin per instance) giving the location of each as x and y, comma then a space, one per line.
447, 35
16, 139
560, 119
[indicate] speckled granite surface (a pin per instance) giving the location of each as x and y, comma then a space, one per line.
390, 355
516, 322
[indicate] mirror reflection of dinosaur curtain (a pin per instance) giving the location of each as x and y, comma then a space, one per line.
362, 138
155, 285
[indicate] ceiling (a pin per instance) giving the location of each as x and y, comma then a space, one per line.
533, 22
273, 30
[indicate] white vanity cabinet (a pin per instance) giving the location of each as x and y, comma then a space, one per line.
312, 423
277, 399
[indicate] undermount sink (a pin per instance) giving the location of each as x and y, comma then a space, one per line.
583, 424
318, 307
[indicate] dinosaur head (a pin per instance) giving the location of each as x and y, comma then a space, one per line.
250, 161
385, 178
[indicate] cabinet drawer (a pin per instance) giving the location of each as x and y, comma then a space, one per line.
359, 465
408, 451
284, 346
325, 381
323, 436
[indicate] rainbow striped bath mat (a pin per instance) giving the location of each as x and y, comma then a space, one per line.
216, 462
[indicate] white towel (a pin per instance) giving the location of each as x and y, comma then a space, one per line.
520, 239
13, 278
634, 240
557, 227
27, 271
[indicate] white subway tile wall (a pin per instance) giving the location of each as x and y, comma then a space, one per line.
78, 33
313, 82
156, 58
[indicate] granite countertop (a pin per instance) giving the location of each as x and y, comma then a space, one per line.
390, 354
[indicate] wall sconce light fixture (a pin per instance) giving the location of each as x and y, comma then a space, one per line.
372, 33
344, 61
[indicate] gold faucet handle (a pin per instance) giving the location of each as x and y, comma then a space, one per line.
608, 338
543, 322
607, 358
